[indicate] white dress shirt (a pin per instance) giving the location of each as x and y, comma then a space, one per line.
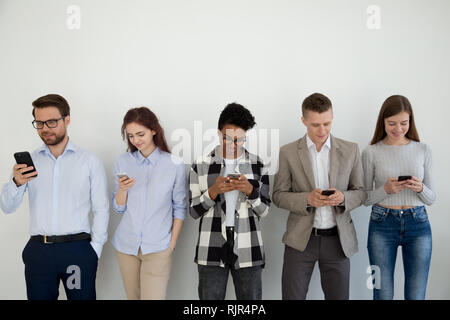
324, 217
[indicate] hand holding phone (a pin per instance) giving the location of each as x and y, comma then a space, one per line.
414, 184
395, 185
125, 182
221, 185
24, 170
315, 199
233, 176
404, 178
327, 192
121, 175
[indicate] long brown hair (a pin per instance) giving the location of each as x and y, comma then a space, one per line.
392, 106
148, 119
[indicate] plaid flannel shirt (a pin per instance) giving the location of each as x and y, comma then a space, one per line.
248, 244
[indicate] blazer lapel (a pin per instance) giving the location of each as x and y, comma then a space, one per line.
305, 160
336, 159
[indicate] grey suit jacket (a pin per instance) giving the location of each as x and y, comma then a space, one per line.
295, 180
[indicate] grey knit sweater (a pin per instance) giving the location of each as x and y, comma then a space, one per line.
381, 162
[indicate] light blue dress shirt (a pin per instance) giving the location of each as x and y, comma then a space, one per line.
61, 196
158, 196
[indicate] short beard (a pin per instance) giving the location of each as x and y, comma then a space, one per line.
58, 140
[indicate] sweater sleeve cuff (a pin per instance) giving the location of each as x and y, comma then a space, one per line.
427, 195
376, 196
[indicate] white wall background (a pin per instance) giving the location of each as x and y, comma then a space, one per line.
186, 60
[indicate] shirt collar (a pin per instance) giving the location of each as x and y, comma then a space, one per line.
69, 147
151, 159
311, 144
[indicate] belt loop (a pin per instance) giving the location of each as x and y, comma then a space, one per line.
315, 231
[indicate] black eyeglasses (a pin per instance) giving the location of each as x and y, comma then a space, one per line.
236, 141
52, 123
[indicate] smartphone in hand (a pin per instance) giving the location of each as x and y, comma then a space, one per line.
404, 178
233, 176
121, 175
327, 192
24, 157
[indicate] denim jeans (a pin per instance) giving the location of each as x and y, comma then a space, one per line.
212, 282
410, 229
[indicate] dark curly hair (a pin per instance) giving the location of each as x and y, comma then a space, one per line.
236, 115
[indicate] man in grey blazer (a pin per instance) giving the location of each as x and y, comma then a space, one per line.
319, 227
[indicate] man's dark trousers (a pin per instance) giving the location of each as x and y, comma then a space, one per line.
74, 263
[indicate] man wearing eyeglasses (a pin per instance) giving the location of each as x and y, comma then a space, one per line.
70, 181
229, 193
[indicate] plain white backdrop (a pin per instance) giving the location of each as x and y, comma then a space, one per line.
187, 59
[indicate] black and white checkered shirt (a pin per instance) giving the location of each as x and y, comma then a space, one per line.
248, 244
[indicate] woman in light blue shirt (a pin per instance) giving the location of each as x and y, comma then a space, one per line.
151, 193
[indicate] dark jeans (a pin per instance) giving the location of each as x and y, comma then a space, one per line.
212, 282
410, 229
74, 263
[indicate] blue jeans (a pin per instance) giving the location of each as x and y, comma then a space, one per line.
410, 229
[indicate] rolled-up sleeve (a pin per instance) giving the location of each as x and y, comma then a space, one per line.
117, 208
179, 193
200, 202
259, 199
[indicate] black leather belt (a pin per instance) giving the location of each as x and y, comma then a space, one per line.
325, 232
59, 239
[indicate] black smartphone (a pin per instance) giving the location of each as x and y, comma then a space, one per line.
25, 158
403, 178
327, 192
